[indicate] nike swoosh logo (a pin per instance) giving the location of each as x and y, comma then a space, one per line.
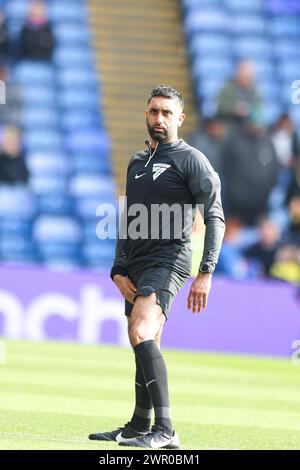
158, 445
154, 380
120, 438
139, 176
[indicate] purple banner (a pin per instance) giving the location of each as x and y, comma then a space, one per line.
253, 317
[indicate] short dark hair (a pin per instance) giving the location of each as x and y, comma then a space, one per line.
167, 92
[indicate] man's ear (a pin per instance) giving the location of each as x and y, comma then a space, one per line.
181, 119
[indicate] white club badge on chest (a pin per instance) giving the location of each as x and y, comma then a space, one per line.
158, 169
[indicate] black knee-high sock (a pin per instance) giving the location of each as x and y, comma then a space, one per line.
155, 373
141, 418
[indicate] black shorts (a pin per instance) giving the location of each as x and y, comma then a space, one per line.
164, 281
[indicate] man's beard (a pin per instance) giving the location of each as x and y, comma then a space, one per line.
157, 136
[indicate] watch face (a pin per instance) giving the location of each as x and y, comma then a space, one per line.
206, 268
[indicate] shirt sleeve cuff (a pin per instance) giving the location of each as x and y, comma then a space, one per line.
118, 269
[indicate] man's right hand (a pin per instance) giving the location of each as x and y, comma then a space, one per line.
126, 287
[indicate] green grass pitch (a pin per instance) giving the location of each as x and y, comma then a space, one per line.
52, 395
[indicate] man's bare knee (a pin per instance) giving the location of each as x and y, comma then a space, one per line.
145, 321
139, 332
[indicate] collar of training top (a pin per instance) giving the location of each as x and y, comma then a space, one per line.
167, 146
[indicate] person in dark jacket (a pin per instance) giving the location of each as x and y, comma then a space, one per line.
4, 40
250, 170
36, 40
13, 168
209, 141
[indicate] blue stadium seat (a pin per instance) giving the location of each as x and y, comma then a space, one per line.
67, 11
59, 249
38, 95
70, 34
88, 141
48, 164
56, 204
36, 118
16, 10
253, 47
89, 231
282, 6
57, 229
78, 119
209, 88
17, 201
285, 26
264, 70
86, 207
270, 90
209, 107
14, 29
87, 185
206, 44
48, 184
76, 77
79, 97
255, 6
271, 112
189, 4
70, 57
13, 226
100, 254
19, 249
248, 24
287, 49
210, 67
31, 72
206, 20
288, 70
36, 140
87, 163
63, 264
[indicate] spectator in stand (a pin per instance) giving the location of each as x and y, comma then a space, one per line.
286, 141
36, 39
287, 264
287, 146
239, 97
231, 261
292, 236
294, 187
250, 169
264, 251
10, 111
4, 41
287, 261
209, 141
13, 168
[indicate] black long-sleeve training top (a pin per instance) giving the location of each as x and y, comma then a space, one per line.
176, 174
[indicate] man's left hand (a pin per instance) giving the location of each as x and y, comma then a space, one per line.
199, 291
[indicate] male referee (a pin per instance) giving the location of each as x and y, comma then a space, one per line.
150, 272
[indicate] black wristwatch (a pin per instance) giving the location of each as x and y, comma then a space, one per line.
206, 268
